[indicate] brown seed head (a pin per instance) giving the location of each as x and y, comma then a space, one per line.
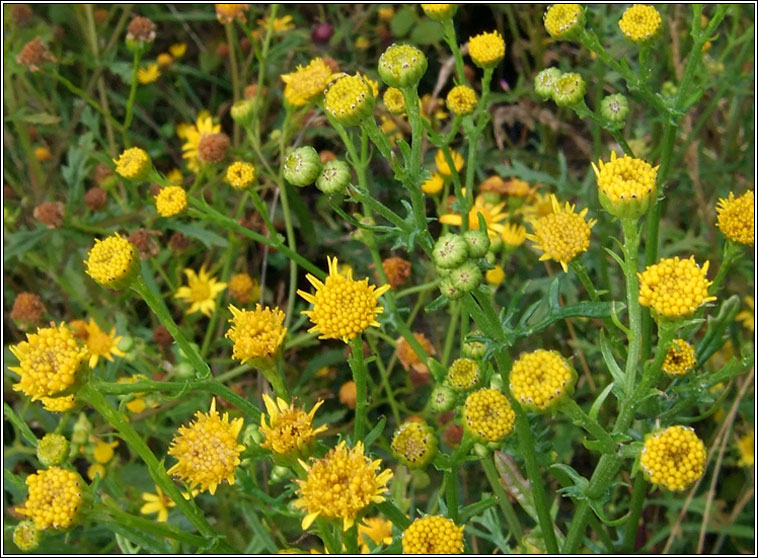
141, 29
145, 242
397, 271
95, 198
178, 242
102, 171
21, 14
50, 214
33, 54
27, 310
212, 148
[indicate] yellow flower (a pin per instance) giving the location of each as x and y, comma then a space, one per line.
563, 234
54, 498
227, 13
439, 12
386, 13
349, 100
488, 414
463, 374
26, 536
149, 74
164, 60
513, 234
42, 153
414, 443
746, 449
341, 485
103, 451
362, 43
563, 20
113, 262
170, 201
375, 529
256, 334
747, 317
433, 534
486, 49
101, 344
243, 288
96, 470
175, 177
625, 182
680, 358
433, 184
48, 361
240, 175
736, 217
673, 458
280, 25
201, 291
495, 276
674, 288
59, 404
207, 451
461, 100
157, 503
640, 23
394, 100
541, 378
442, 167
177, 50
288, 429
540, 206
307, 83
136, 401
342, 307
493, 216
193, 134
133, 163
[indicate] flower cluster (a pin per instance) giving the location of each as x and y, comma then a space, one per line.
674, 288
541, 378
673, 458
256, 334
488, 415
433, 534
55, 495
288, 430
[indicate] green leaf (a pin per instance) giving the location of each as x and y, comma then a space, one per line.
208, 238
610, 362
427, 32
595, 409
402, 21
19, 243
371, 437
714, 333
439, 302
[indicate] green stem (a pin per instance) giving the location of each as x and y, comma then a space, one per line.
132, 95
89, 100
631, 250
231, 39
731, 253
505, 504
635, 511
287, 222
451, 492
581, 273
577, 415
358, 366
385, 381
455, 49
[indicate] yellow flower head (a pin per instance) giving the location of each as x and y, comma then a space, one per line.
26, 536
461, 100
680, 358
563, 21
376, 530
256, 334
243, 288
42, 153
133, 163
342, 307
563, 234
540, 206
240, 175
746, 449
192, 134
442, 167
736, 217
541, 378
289, 430
177, 50
513, 234
394, 100
227, 13
201, 291
149, 74
349, 100
48, 361
433, 534
59, 404
640, 23
307, 83
439, 12
674, 288
488, 415
164, 60
493, 216
433, 184
486, 49
463, 374
341, 485
207, 450
279, 25
625, 185
54, 498
113, 262
495, 276
673, 458
414, 443
171, 200
101, 344
103, 451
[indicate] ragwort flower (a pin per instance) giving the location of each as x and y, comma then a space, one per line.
640, 23
289, 429
433, 534
350, 100
564, 21
148, 74
101, 344
736, 217
307, 83
133, 163
171, 201
488, 415
486, 49
54, 497
193, 134
626, 186
256, 334
680, 358
493, 216
541, 378
201, 291
673, 458
240, 175
375, 529
113, 262
674, 288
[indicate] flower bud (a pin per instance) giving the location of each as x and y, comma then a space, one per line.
564, 21
569, 89
461, 100
402, 66
449, 290
334, 177
26, 536
414, 444
615, 109
394, 101
52, 449
466, 277
477, 243
544, 82
243, 111
486, 49
350, 100
474, 349
302, 166
442, 399
626, 186
184, 370
81, 431
280, 474
450, 251
439, 12
113, 262
463, 374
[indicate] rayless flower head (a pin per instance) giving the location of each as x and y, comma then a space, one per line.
461, 100
256, 334
201, 291
674, 288
207, 450
101, 344
342, 307
673, 458
52, 449
488, 415
433, 534
640, 23
289, 430
171, 201
402, 66
302, 166
544, 82
414, 443
486, 49
626, 186
55, 495
306, 84
680, 358
569, 89
736, 217
341, 485
133, 163
563, 234
463, 374
540, 379
394, 101
26, 536
564, 21
48, 361
350, 100
227, 13
240, 175
439, 12
243, 288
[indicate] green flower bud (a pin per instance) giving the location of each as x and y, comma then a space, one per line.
450, 251
544, 82
334, 177
569, 90
126, 344
490, 257
402, 66
474, 349
477, 242
414, 444
280, 474
184, 370
81, 431
26, 536
252, 436
463, 374
669, 89
302, 166
615, 108
449, 290
52, 449
496, 243
243, 111
442, 399
466, 277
